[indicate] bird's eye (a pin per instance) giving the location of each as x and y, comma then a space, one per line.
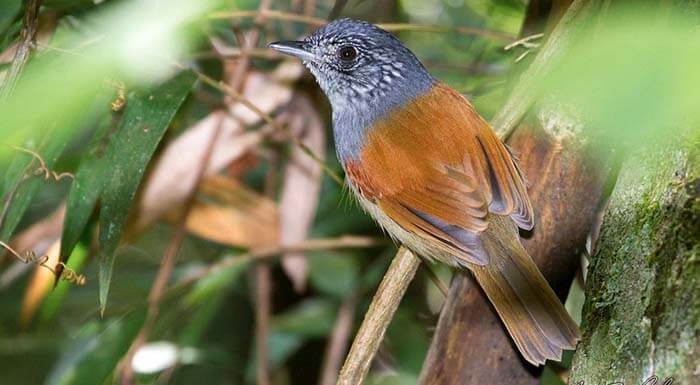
347, 53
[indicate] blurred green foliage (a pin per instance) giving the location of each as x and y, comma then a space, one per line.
631, 83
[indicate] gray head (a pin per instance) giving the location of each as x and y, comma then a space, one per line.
364, 71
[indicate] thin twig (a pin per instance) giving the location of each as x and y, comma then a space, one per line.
435, 279
27, 40
236, 79
61, 271
337, 9
525, 42
526, 91
381, 311
346, 241
237, 96
338, 341
309, 10
126, 376
43, 169
393, 27
263, 291
263, 308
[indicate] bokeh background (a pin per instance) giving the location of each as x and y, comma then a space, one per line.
191, 207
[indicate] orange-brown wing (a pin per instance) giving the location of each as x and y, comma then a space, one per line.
437, 169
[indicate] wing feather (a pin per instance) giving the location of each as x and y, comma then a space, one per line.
438, 170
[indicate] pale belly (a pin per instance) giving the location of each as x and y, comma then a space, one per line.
417, 244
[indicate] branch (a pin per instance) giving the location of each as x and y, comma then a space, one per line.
263, 290
393, 27
236, 79
126, 376
237, 96
338, 342
526, 91
378, 317
24, 49
347, 241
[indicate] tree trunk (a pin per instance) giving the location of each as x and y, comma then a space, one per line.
641, 317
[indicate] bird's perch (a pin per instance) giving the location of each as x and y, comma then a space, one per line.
381, 311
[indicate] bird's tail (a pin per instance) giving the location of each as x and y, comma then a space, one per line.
531, 312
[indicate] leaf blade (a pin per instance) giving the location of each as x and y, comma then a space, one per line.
146, 118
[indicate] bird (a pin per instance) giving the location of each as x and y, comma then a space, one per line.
431, 171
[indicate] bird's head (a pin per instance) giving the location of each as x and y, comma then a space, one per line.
355, 62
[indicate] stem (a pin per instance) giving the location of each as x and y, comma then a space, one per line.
26, 44
263, 290
526, 90
126, 376
337, 344
393, 27
236, 79
381, 311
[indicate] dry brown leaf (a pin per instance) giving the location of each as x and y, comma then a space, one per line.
173, 173
302, 185
229, 213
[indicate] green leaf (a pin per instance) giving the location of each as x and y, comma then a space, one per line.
95, 356
52, 304
216, 281
23, 185
89, 182
333, 273
8, 11
281, 346
148, 114
312, 318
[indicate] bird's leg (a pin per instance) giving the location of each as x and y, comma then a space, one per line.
528, 43
43, 169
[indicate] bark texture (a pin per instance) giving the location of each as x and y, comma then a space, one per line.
641, 317
565, 184
470, 345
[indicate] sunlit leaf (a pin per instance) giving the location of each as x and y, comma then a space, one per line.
147, 116
52, 303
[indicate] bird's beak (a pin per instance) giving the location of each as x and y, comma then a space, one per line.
293, 48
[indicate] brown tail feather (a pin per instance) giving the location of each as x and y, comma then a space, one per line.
533, 315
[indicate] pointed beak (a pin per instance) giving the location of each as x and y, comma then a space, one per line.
293, 48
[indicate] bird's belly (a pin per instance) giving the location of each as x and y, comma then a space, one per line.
414, 242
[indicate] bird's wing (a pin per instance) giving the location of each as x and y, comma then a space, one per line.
437, 169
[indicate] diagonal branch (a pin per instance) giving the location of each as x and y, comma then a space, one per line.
126, 375
378, 317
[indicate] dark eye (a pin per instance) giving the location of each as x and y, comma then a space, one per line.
347, 53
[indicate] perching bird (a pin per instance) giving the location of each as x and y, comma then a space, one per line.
432, 173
